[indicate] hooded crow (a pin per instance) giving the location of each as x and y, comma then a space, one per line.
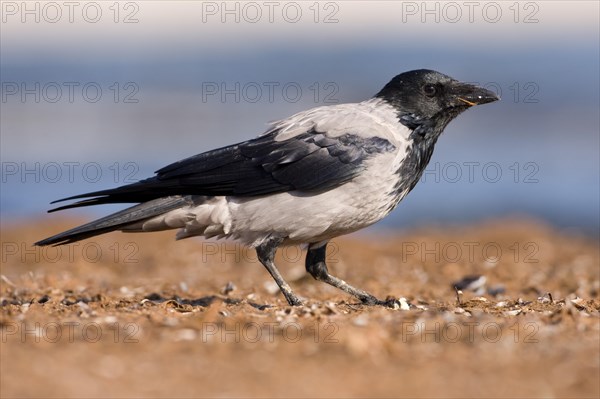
314, 176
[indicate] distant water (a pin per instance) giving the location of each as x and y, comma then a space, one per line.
534, 153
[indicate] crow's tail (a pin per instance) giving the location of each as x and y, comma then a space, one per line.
119, 220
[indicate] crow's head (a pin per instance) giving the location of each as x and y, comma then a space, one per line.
427, 100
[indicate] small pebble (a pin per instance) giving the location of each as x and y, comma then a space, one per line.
496, 290
544, 299
513, 312
7, 281
361, 321
578, 302
271, 287
186, 334
404, 304
470, 283
229, 287
109, 320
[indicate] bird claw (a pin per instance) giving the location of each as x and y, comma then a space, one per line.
370, 300
293, 300
391, 303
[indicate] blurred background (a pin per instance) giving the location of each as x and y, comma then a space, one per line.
99, 94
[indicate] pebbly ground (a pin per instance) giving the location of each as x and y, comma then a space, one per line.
144, 316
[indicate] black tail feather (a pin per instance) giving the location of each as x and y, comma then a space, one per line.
118, 220
113, 199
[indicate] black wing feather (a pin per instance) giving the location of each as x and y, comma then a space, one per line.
309, 162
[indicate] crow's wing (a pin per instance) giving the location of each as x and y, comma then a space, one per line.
307, 160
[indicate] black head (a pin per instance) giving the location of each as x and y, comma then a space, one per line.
428, 100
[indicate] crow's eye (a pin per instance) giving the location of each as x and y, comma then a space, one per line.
430, 90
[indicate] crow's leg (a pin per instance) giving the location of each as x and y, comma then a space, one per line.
266, 255
315, 265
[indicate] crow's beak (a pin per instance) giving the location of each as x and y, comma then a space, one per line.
472, 95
